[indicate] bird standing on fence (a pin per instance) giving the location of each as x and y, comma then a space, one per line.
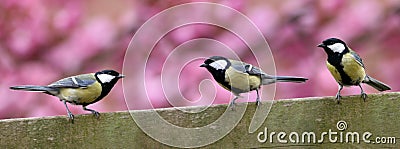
83, 89
347, 67
240, 77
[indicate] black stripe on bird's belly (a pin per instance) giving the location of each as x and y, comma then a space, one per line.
335, 60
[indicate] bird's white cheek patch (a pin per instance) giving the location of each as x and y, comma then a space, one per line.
337, 47
105, 78
220, 64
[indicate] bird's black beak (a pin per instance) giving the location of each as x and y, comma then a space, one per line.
121, 76
321, 45
203, 65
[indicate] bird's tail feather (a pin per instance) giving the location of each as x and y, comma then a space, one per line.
380, 86
33, 88
273, 79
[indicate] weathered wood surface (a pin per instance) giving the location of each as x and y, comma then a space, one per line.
379, 115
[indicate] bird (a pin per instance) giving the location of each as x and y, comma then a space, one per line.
240, 77
347, 67
84, 89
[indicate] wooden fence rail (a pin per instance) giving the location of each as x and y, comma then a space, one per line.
377, 120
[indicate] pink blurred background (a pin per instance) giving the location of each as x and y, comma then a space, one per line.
42, 41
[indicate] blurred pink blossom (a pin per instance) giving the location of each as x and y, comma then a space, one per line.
43, 41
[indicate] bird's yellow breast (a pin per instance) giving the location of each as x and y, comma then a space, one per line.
242, 81
81, 95
353, 68
335, 73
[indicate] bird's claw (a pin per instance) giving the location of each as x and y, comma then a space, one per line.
338, 97
70, 117
364, 96
232, 106
96, 114
258, 102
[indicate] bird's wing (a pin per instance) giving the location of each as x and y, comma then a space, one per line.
80, 81
246, 68
357, 58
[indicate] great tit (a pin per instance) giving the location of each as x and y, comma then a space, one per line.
347, 67
240, 77
83, 89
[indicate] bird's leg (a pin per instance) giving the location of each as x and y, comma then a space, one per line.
96, 114
363, 95
69, 113
338, 94
232, 104
258, 101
